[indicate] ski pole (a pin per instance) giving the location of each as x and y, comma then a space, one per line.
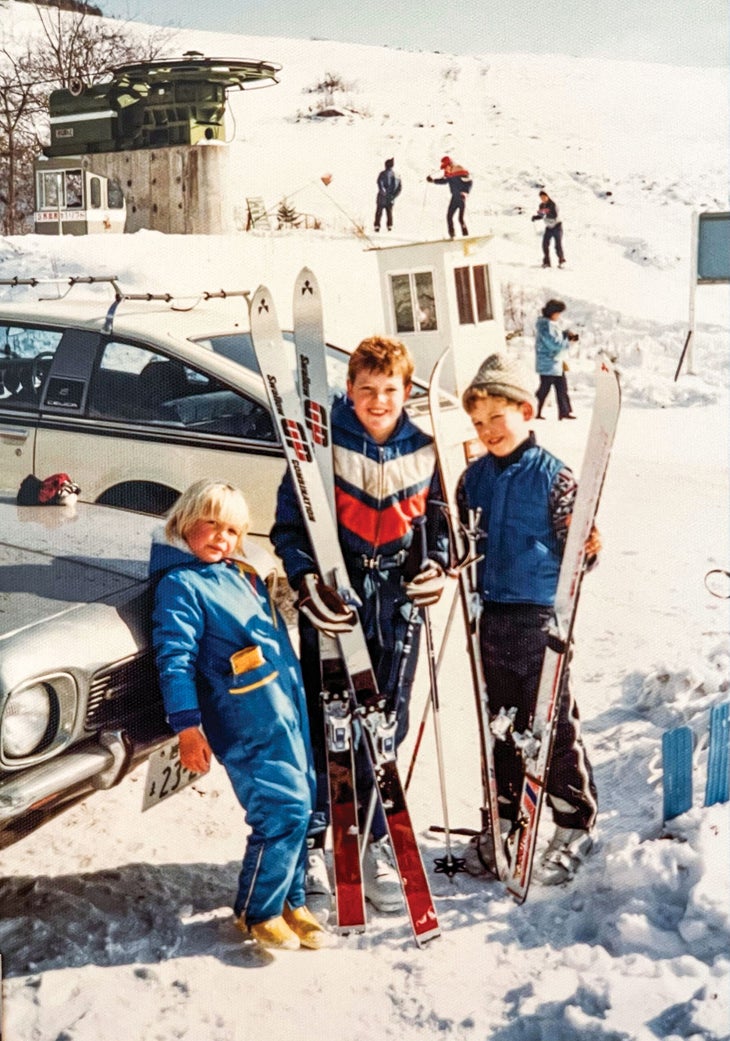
427, 706
448, 865
456, 566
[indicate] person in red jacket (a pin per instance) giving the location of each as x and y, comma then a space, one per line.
459, 183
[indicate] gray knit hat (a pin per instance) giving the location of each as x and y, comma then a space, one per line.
503, 375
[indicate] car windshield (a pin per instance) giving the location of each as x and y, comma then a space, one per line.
239, 348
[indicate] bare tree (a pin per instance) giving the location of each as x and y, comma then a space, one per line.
79, 47
72, 48
20, 106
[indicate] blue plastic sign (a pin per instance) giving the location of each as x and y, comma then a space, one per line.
713, 247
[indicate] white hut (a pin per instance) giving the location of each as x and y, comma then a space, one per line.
443, 294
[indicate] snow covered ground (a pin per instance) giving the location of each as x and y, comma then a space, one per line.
116, 926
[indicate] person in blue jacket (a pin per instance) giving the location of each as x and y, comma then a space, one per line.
385, 476
459, 183
526, 497
389, 188
232, 687
551, 348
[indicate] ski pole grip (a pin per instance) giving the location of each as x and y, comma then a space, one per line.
419, 523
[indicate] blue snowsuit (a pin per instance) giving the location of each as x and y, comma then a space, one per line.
379, 489
225, 660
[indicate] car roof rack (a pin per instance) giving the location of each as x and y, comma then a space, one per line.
120, 296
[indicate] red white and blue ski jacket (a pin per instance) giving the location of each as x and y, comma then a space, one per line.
379, 490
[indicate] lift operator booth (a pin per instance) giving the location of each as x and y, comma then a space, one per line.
443, 294
73, 199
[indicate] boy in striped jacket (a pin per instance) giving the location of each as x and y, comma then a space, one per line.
385, 476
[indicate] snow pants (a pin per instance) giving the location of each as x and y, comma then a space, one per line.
255, 730
457, 207
552, 235
385, 619
561, 393
513, 641
383, 205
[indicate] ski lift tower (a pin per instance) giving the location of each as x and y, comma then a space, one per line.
156, 129
443, 294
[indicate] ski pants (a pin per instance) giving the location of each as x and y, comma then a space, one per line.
383, 204
561, 393
256, 736
386, 623
457, 207
552, 235
513, 641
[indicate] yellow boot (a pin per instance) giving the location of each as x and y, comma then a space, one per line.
309, 931
274, 933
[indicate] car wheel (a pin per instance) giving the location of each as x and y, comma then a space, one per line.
142, 497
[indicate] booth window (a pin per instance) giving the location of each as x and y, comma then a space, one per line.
472, 294
114, 194
95, 193
74, 189
414, 302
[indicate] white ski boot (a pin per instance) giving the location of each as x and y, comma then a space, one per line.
380, 876
565, 853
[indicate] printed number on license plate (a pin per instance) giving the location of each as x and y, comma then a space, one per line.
165, 775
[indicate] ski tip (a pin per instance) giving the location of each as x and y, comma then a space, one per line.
306, 283
262, 303
435, 371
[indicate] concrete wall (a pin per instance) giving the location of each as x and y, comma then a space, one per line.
179, 190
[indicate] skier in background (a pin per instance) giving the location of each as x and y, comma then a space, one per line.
551, 348
389, 188
547, 211
385, 476
459, 183
526, 498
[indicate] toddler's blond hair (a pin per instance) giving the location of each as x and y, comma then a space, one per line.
208, 500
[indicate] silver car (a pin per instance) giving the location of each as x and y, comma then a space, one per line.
136, 400
79, 701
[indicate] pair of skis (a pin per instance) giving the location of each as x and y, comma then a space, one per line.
350, 691
515, 862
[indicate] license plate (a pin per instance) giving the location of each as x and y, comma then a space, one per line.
166, 775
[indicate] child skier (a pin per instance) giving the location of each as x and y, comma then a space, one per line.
459, 183
526, 498
226, 665
385, 476
547, 211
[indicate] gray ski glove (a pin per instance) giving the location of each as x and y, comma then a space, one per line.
428, 585
323, 606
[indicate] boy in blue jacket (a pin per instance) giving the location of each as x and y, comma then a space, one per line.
385, 476
526, 498
232, 687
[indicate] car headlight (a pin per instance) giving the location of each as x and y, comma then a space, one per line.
37, 719
26, 720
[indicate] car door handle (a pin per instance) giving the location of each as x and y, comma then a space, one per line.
13, 434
